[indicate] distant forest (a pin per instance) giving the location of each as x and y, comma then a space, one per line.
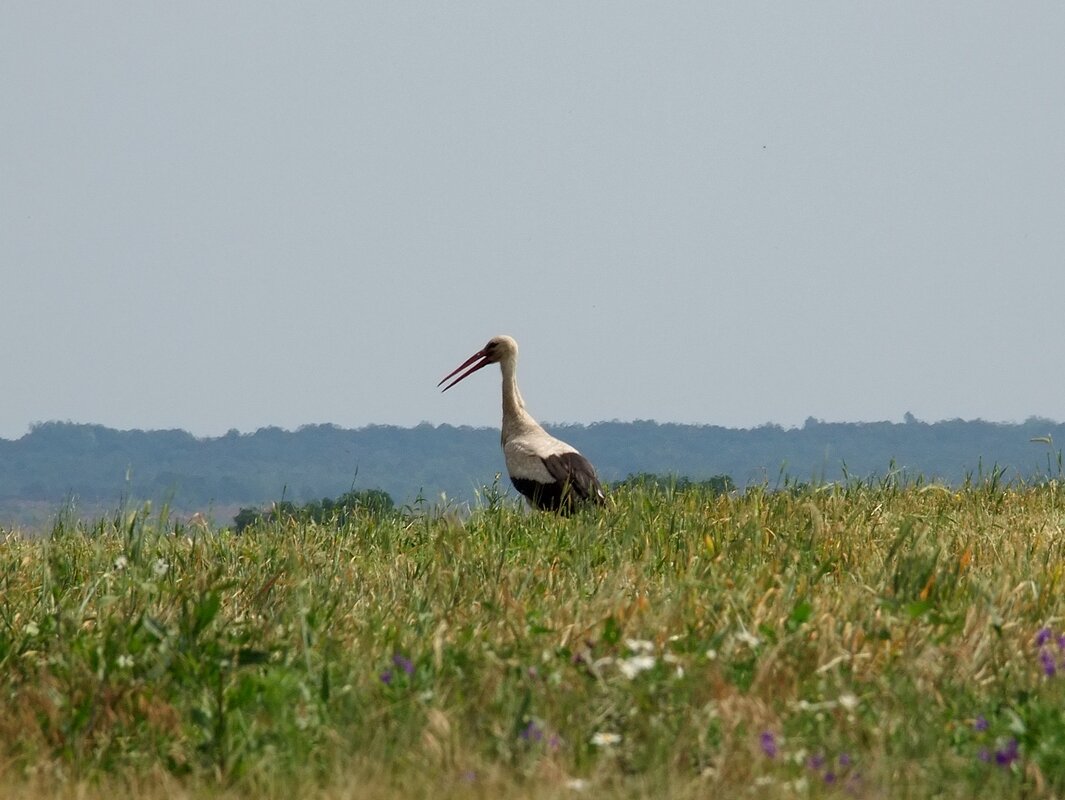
100, 468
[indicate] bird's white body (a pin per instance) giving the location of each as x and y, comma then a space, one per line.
524, 454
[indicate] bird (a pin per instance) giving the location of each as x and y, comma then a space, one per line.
551, 474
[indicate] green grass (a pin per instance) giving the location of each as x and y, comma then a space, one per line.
812, 642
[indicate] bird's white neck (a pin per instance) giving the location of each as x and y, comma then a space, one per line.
515, 418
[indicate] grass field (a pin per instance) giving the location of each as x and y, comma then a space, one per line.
870, 640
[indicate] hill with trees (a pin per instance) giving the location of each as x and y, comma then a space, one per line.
99, 467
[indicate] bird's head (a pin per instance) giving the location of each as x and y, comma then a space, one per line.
499, 348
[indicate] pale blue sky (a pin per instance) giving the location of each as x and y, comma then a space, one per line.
232, 215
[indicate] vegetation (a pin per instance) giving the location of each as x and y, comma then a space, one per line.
872, 639
719, 484
326, 511
99, 468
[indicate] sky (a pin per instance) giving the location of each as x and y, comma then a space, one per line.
234, 215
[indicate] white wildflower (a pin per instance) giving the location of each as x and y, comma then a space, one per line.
848, 701
577, 784
606, 739
160, 567
711, 654
121, 563
31, 629
640, 645
125, 661
631, 667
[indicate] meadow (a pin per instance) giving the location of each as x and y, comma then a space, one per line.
886, 639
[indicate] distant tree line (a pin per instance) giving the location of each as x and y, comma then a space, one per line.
97, 466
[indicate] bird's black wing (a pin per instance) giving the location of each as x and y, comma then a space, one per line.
576, 474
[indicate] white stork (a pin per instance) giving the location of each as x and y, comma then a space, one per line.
551, 474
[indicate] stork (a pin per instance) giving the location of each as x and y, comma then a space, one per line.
551, 474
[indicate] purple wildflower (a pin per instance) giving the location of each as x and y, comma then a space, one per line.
984, 755
844, 760
386, 677
830, 777
403, 663
769, 743
1008, 754
980, 723
532, 732
1042, 637
816, 761
1050, 668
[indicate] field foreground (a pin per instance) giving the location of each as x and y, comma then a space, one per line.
870, 640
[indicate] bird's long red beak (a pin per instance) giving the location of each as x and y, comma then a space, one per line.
484, 362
